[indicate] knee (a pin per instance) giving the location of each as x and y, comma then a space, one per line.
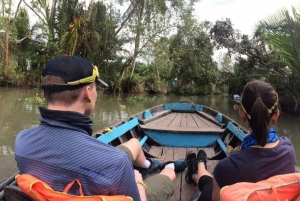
134, 142
169, 173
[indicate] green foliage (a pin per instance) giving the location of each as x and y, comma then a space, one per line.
131, 84
191, 53
139, 99
143, 69
36, 100
281, 32
153, 85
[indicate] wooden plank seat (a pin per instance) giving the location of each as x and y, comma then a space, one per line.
236, 131
118, 131
121, 130
182, 129
155, 116
210, 118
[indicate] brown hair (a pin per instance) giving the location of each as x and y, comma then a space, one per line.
68, 96
259, 102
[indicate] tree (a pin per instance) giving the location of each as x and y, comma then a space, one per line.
251, 53
191, 53
22, 48
150, 21
281, 32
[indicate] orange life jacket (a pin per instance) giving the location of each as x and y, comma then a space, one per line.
278, 188
40, 191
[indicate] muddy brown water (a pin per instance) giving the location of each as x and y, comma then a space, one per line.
17, 113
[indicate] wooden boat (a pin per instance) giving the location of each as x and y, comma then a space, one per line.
237, 98
168, 132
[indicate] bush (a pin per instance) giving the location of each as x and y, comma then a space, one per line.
131, 84
154, 85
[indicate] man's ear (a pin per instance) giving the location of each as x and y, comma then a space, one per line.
86, 91
242, 114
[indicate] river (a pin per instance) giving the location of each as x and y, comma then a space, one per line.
17, 113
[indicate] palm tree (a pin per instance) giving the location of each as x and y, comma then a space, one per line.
282, 34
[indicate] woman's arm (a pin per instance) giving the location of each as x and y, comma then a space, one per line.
141, 187
216, 191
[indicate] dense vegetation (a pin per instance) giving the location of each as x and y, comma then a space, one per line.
153, 46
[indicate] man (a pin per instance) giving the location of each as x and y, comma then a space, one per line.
61, 148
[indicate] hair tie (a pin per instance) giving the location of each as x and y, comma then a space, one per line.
258, 99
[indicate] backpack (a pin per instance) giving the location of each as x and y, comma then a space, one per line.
40, 191
284, 187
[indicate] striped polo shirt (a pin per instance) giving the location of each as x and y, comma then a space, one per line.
57, 153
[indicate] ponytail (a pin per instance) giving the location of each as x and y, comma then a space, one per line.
259, 122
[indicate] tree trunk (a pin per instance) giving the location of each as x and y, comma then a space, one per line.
157, 71
138, 37
125, 65
6, 54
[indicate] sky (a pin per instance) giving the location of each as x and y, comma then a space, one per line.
244, 14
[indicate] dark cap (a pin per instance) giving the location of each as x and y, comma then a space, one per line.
75, 71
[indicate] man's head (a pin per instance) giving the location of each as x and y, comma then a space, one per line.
66, 78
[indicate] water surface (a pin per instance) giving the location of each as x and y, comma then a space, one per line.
17, 114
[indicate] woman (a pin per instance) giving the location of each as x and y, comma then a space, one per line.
263, 153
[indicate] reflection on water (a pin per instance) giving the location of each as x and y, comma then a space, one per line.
16, 114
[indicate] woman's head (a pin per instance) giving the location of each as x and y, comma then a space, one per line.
259, 106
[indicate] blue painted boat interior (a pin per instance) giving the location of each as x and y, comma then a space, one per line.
236, 131
147, 114
183, 107
118, 131
191, 140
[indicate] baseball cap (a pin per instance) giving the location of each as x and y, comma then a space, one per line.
75, 71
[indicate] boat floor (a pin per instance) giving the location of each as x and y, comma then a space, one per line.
182, 190
177, 121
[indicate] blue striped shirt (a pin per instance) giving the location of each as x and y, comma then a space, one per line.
58, 153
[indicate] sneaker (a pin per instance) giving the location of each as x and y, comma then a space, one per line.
154, 167
179, 164
201, 157
192, 167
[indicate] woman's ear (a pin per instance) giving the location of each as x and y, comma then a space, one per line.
275, 117
242, 114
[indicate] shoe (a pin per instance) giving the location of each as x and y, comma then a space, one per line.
192, 167
154, 167
179, 164
202, 157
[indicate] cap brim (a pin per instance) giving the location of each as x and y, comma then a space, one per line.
102, 82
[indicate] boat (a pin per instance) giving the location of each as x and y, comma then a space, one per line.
237, 98
168, 132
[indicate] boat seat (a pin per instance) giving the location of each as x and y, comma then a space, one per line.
14, 193
155, 116
236, 131
182, 129
210, 118
118, 131
121, 130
